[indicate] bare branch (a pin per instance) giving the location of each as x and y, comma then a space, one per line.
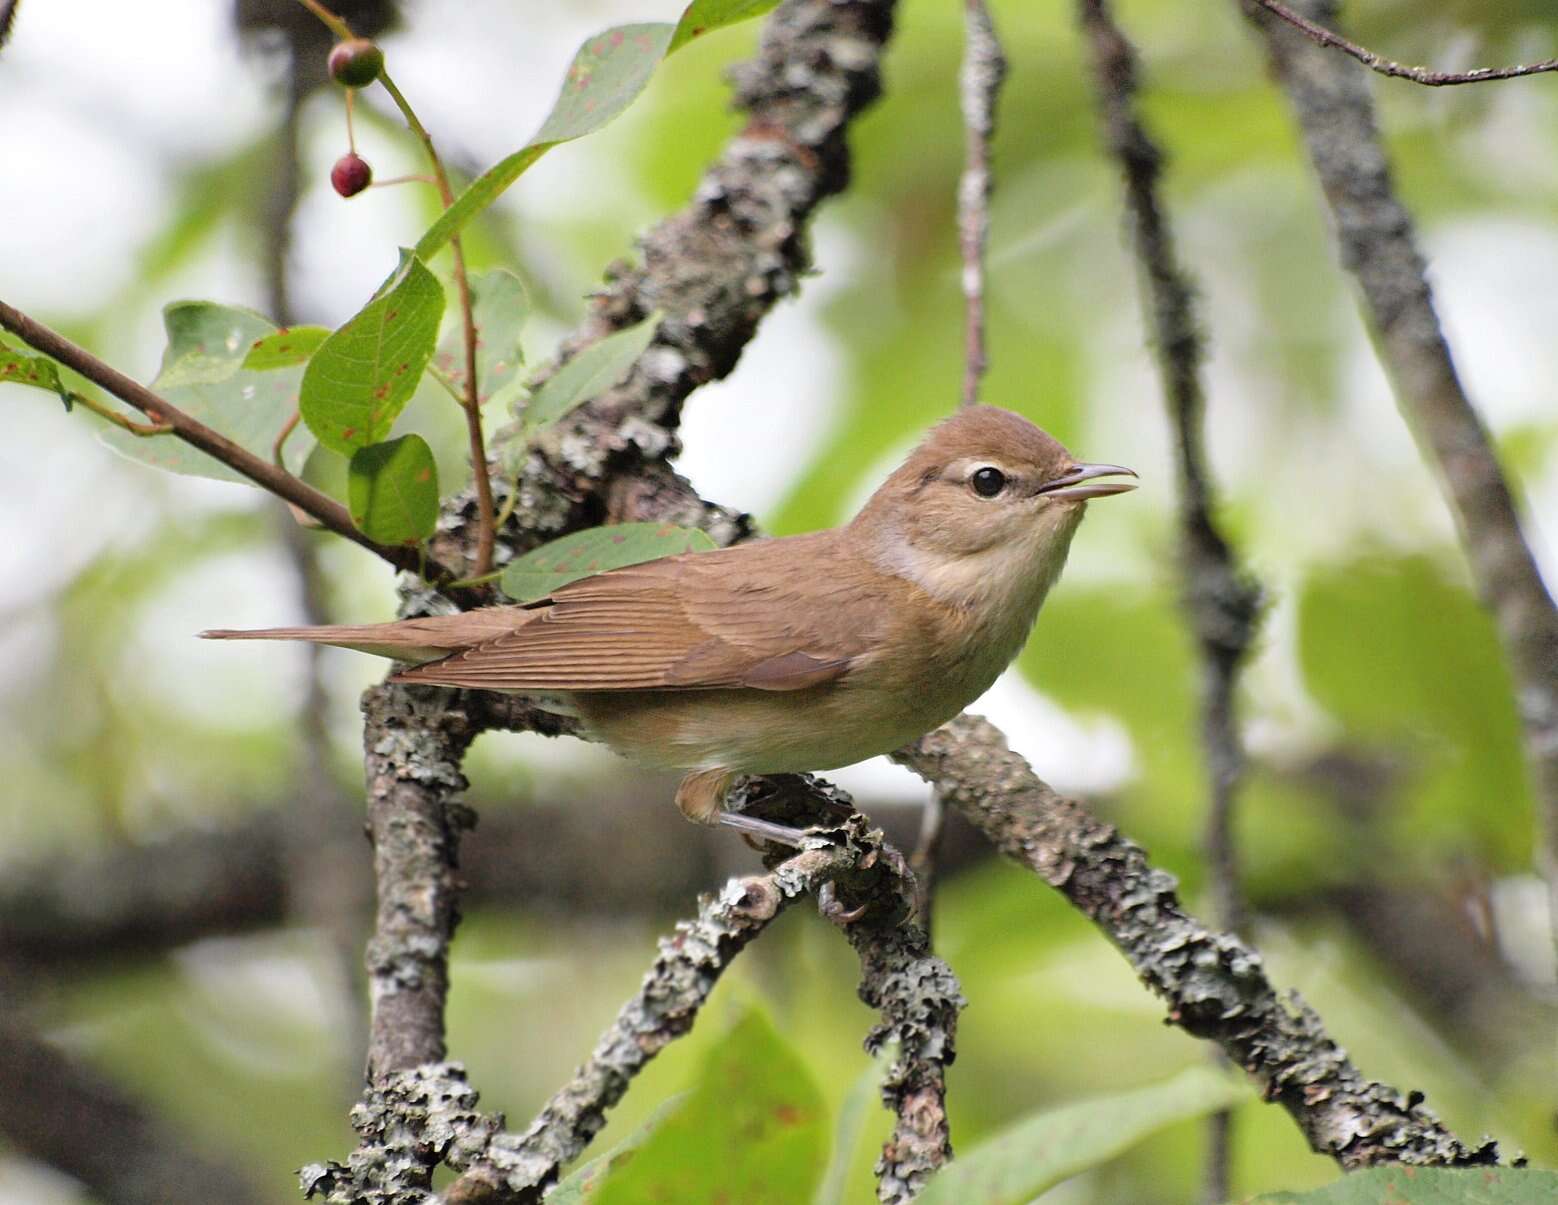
1379, 247
267, 476
979, 86
1222, 604
1329, 38
1213, 983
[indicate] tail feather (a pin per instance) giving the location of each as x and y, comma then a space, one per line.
429, 638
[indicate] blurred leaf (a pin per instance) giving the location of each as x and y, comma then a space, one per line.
595, 550
288, 346
499, 307
752, 1132
1400, 654
606, 75
583, 1184
705, 16
588, 375
1429, 1186
361, 377
392, 490
1035, 1154
864, 1094
18, 367
203, 375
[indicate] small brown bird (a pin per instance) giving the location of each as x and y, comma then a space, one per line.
786, 655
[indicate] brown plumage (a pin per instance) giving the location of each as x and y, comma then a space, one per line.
802, 653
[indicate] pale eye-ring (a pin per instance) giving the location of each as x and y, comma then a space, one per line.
988, 481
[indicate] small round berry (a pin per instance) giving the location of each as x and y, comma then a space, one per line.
350, 175
356, 63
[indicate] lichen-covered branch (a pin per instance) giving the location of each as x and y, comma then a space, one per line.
712, 270
1222, 603
979, 85
413, 741
1214, 984
874, 901
1379, 247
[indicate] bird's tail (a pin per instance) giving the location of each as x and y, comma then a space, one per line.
428, 638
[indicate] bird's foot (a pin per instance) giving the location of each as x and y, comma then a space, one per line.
828, 904
764, 830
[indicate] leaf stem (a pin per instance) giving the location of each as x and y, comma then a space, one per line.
486, 535
145, 430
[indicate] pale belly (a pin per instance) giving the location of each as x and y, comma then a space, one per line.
771, 732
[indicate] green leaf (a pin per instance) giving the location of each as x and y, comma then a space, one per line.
203, 375
752, 1132
863, 1095
705, 16
289, 345
607, 74
1429, 1186
499, 306
588, 375
392, 490
582, 1184
595, 550
1037, 1153
19, 367
361, 377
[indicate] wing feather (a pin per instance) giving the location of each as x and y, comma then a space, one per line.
732, 618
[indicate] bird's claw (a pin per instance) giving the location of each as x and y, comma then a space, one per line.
829, 906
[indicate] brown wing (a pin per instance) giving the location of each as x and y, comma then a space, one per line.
736, 617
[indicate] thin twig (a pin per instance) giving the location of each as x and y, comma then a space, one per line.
1221, 603
1379, 247
278, 481
142, 430
979, 86
925, 860
1374, 62
1213, 983
481, 472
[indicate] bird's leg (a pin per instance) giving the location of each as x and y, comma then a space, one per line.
701, 798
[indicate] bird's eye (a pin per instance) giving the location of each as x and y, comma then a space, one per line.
988, 482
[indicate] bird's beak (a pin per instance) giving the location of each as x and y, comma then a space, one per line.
1070, 484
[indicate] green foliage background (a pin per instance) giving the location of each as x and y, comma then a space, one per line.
1375, 652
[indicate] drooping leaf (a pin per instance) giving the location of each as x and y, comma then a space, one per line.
752, 1131
287, 346
500, 307
362, 375
864, 1095
581, 1185
1037, 1153
20, 367
588, 375
606, 75
595, 550
203, 375
1429, 1186
392, 490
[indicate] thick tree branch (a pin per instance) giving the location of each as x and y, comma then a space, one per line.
262, 472
1213, 983
1379, 247
1221, 603
1329, 38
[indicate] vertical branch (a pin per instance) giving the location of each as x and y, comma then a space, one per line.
979, 85
1221, 603
1379, 247
413, 740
